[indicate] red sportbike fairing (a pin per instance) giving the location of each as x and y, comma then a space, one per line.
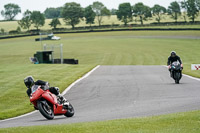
48, 104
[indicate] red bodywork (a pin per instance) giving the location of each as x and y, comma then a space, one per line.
48, 96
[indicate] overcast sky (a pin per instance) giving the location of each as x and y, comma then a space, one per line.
41, 5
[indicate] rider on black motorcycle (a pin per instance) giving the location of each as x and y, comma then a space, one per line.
29, 82
172, 58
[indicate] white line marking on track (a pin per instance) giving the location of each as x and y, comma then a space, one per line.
191, 77
19, 116
63, 93
78, 80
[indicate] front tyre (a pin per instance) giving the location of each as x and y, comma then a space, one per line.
45, 109
177, 81
70, 111
177, 77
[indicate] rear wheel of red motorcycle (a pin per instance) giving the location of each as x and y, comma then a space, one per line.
70, 111
45, 109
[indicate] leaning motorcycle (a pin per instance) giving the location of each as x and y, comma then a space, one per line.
176, 71
48, 104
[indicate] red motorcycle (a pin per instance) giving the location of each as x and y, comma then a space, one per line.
48, 104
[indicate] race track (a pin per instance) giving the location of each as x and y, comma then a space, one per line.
114, 92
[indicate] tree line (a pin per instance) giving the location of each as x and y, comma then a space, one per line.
126, 12
72, 13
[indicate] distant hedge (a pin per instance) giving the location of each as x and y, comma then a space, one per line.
104, 30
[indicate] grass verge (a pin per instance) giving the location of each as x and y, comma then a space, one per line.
188, 122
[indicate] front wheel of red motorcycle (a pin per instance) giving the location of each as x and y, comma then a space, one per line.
45, 109
70, 111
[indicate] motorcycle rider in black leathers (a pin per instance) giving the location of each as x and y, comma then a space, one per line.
172, 58
29, 82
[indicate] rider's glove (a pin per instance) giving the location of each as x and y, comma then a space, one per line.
182, 66
169, 67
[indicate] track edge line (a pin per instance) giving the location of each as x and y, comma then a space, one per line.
78, 80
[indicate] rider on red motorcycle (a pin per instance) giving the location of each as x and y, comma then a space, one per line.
29, 82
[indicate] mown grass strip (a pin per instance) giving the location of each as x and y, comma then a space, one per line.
187, 122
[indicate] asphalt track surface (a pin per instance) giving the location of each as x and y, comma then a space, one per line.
115, 92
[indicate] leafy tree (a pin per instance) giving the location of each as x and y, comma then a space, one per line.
142, 11
18, 29
55, 22
100, 11
106, 12
158, 11
53, 12
124, 13
2, 31
72, 13
184, 7
198, 4
11, 11
174, 10
192, 8
25, 22
89, 15
37, 19
113, 11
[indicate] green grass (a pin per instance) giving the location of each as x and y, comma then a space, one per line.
188, 122
91, 49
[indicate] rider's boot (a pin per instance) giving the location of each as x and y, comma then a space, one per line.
63, 100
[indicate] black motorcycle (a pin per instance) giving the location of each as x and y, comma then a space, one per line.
176, 71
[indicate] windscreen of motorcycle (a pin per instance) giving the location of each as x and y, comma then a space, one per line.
34, 88
176, 63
